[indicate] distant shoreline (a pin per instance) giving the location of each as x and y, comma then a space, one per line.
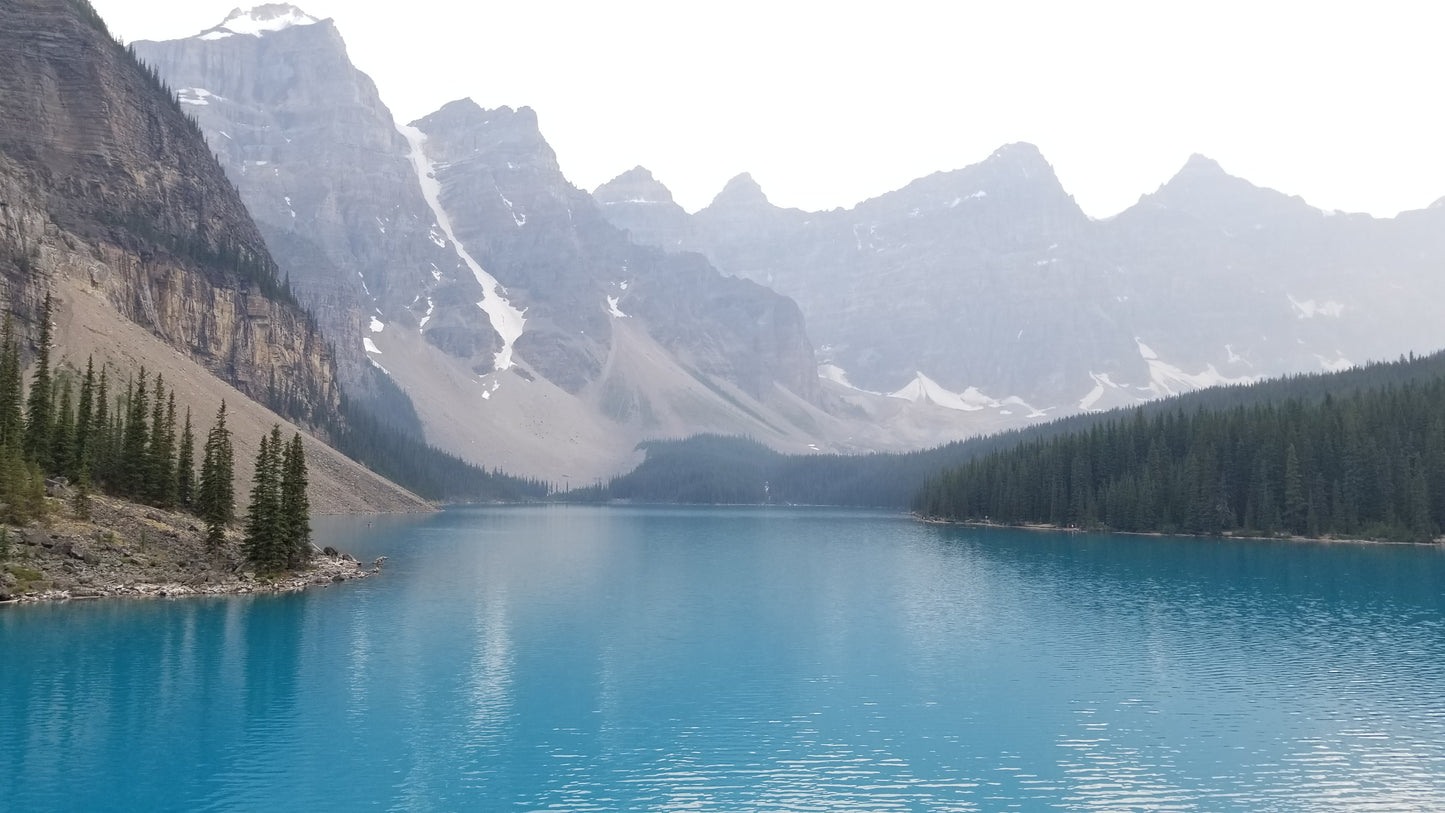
1044, 527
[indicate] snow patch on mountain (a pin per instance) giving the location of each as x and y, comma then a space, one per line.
836, 374
923, 389
259, 20
839, 376
519, 219
196, 96
1165, 379
612, 308
1335, 365
506, 319
1101, 381
376, 325
370, 345
1309, 309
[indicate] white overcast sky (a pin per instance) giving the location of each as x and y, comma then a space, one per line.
829, 103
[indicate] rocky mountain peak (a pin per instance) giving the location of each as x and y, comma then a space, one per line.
1019, 162
1020, 154
258, 21
740, 192
636, 185
1201, 166
1204, 190
509, 135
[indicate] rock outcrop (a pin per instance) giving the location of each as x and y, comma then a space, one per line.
104, 180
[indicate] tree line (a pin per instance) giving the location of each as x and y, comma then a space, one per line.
1369, 464
720, 469
126, 440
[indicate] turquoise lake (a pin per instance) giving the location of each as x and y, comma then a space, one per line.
735, 659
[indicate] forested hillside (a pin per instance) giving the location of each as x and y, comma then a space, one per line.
1369, 464
711, 469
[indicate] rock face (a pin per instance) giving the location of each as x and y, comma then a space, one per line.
104, 180
574, 273
454, 255
988, 281
318, 159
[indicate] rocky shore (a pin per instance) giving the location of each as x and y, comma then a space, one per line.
125, 549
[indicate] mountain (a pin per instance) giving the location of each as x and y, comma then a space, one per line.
451, 258
646, 210
988, 282
316, 156
111, 203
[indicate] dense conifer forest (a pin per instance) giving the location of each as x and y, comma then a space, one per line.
713, 469
1371, 464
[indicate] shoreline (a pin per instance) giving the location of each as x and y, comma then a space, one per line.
134, 551
1043, 527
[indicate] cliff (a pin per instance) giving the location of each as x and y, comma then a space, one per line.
106, 182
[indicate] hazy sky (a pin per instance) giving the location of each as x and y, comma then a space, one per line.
827, 103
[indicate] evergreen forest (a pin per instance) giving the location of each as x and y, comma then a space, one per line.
1368, 465
1358, 453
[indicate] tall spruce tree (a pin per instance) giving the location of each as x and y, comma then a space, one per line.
295, 505
100, 435
130, 464
156, 460
186, 466
215, 495
62, 432
12, 419
39, 415
80, 455
264, 545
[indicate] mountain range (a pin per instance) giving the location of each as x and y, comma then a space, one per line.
989, 281
473, 295
451, 256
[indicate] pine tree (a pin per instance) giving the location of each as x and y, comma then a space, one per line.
157, 459
186, 466
39, 415
215, 496
80, 455
1296, 505
62, 433
12, 421
264, 546
130, 463
100, 435
295, 505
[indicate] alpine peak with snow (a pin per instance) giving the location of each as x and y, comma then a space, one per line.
259, 20
990, 280
478, 298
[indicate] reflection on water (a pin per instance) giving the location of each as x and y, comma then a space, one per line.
736, 659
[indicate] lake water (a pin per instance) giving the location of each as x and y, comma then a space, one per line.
577, 658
